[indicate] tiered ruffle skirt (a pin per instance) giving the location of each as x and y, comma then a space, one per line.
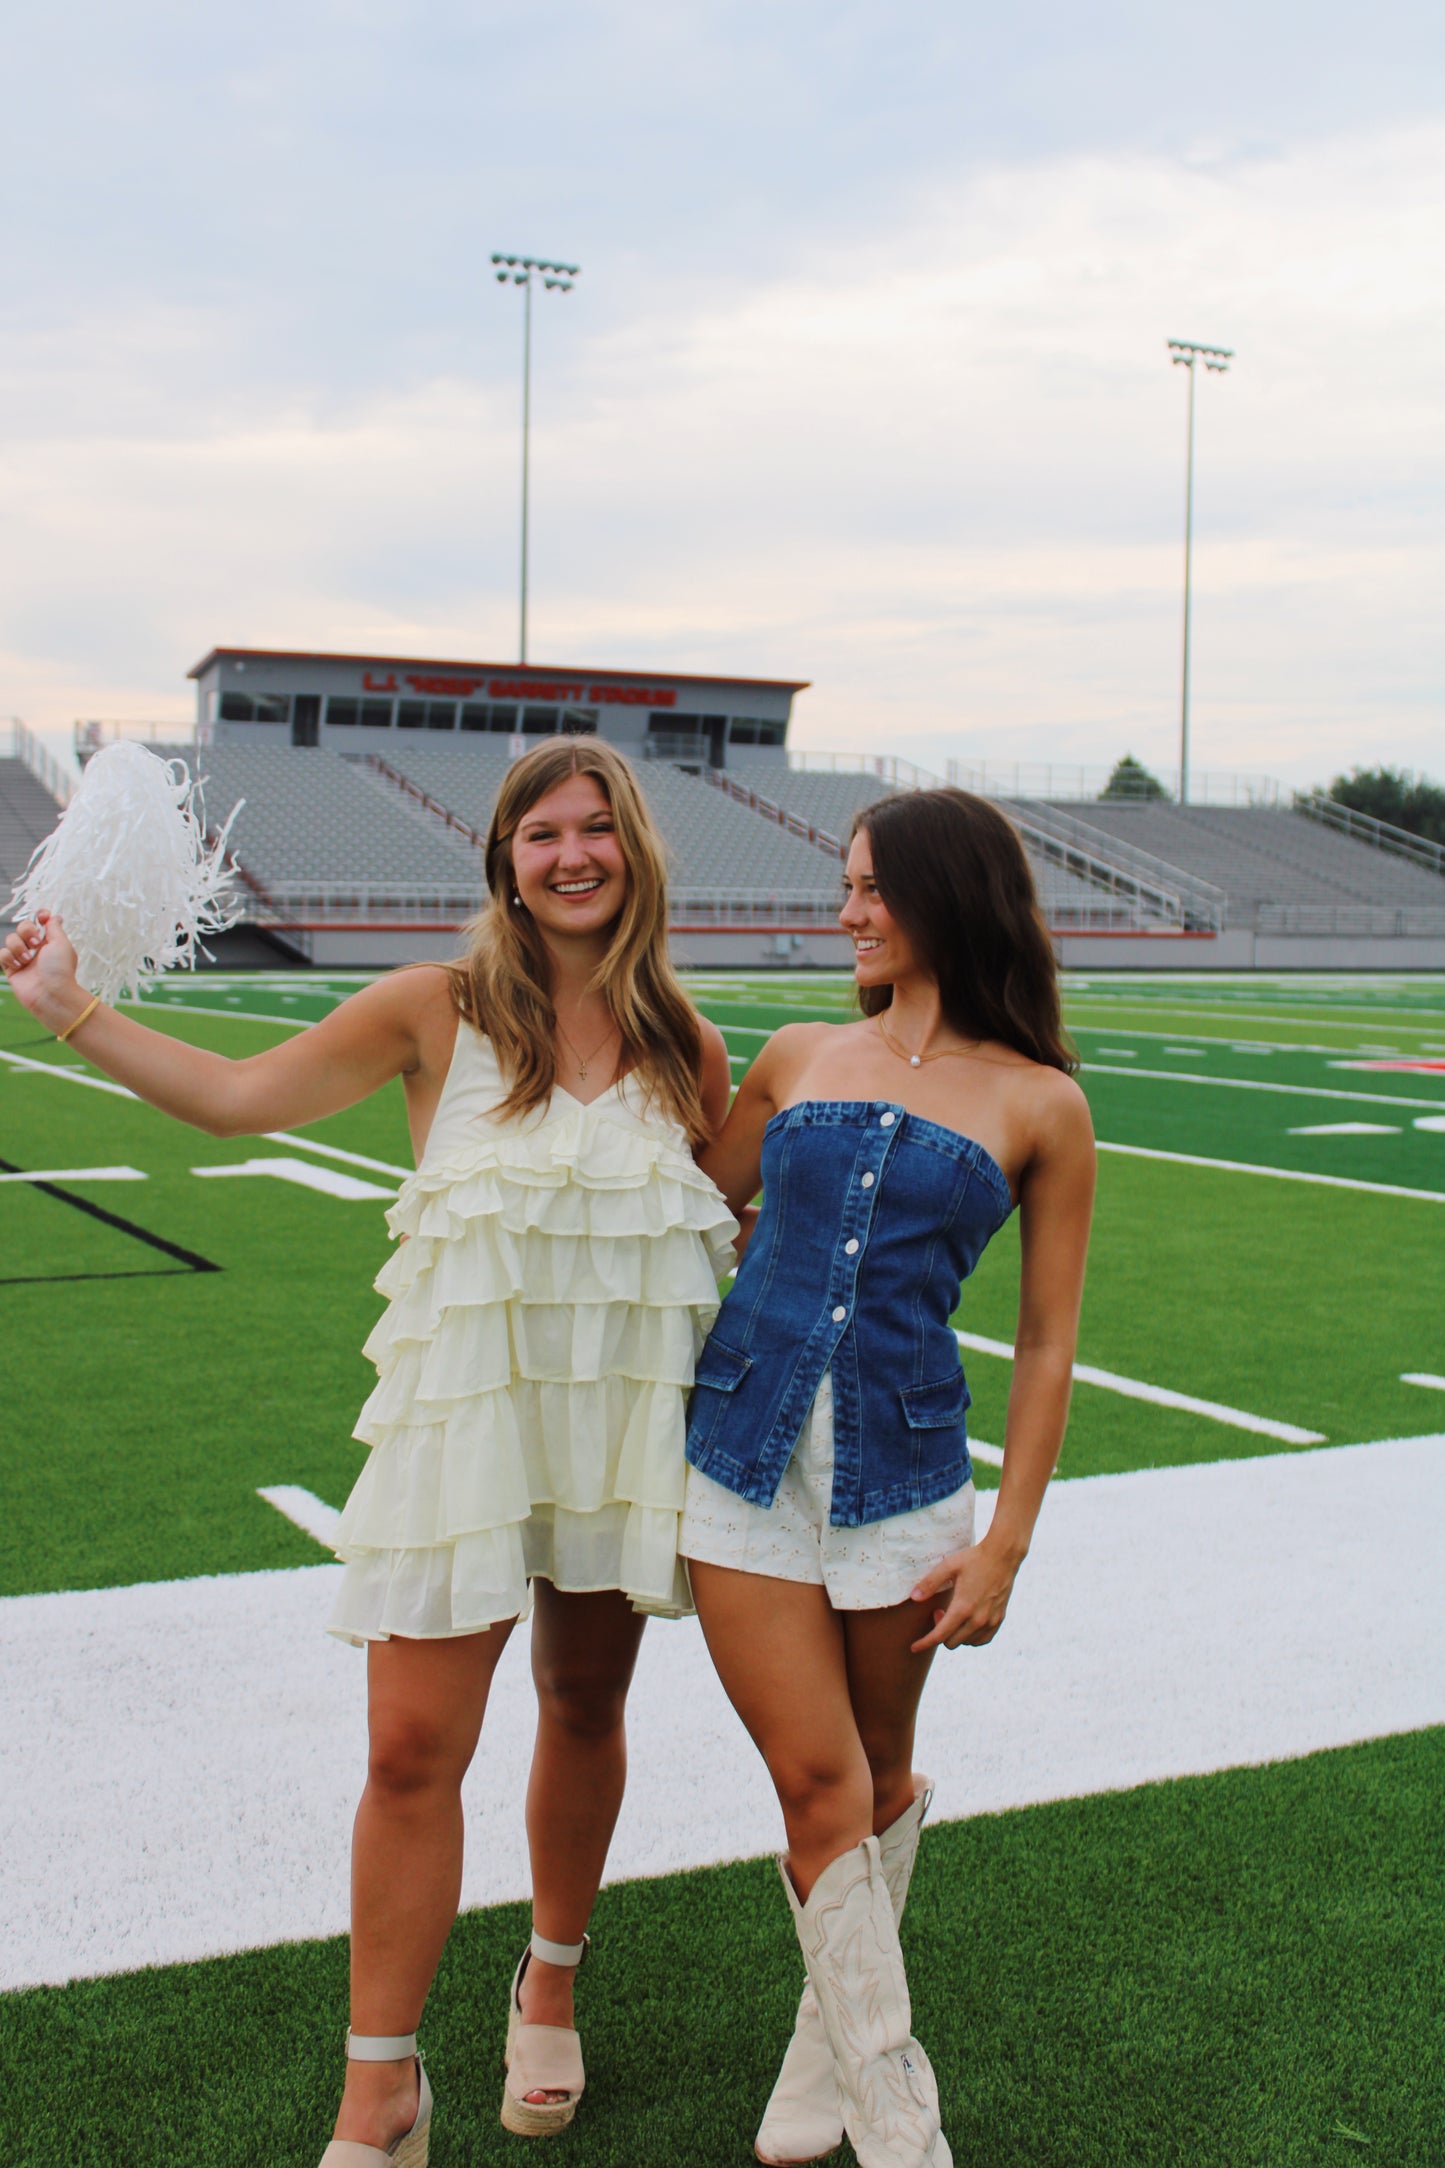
546, 1306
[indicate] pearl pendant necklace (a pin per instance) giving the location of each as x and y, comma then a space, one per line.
916, 1061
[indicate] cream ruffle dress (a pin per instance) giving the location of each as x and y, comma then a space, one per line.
558, 1277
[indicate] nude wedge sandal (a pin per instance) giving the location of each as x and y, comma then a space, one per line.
541, 2058
410, 2149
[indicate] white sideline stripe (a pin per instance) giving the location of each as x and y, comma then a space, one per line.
68, 1076
1222, 1016
1257, 1084
1346, 1129
78, 1174
334, 1151
305, 1176
1278, 1174
1205, 1041
990, 1455
183, 1758
1422, 1377
1161, 1395
1428, 1121
194, 1008
304, 1508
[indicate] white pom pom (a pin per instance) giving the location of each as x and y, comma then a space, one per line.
129, 871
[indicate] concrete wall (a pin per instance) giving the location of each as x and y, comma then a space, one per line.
755, 949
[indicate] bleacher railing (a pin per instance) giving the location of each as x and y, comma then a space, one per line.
744, 794
424, 798
178, 736
1353, 921
888, 768
51, 774
1137, 891
1164, 892
1364, 828
1056, 780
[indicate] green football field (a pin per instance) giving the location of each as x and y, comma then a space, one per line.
1229, 1968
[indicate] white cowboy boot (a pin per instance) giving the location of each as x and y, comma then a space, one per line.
849, 1940
803, 2120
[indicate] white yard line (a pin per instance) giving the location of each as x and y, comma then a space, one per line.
1277, 1174
1347, 1129
273, 1136
68, 1076
1186, 1010
326, 1180
334, 1151
1162, 1397
78, 1174
304, 1508
194, 1008
184, 1758
1423, 1377
1258, 1084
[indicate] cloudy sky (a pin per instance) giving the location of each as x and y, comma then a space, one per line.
864, 380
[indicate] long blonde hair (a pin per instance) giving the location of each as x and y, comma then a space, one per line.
502, 985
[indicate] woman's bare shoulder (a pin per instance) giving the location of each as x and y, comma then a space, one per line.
1060, 1108
421, 1000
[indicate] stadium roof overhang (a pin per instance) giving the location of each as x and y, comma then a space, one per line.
541, 672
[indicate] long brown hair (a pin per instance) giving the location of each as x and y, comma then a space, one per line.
953, 873
503, 985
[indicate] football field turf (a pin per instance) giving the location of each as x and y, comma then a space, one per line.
1238, 1966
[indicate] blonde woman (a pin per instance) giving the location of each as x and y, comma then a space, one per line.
555, 1277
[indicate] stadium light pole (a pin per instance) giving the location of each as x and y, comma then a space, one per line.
1185, 353
556, 278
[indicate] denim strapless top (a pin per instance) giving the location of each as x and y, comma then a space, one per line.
871, 1220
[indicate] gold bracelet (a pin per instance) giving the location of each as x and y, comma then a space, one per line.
62, 1036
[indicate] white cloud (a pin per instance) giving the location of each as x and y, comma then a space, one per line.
942, 477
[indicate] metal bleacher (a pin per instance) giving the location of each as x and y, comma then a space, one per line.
28, 812
316, 835
828, 798
723, 857
1276, 868
1079, 886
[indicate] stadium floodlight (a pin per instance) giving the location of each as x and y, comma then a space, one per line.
556, 278
1184, 354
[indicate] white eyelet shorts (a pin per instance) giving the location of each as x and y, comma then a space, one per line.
863, 1569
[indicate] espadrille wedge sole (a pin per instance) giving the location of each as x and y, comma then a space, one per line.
541, 2058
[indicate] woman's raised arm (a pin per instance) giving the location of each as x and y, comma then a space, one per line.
359, 1047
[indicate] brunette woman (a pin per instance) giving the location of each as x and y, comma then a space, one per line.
556, 1275
830, 1507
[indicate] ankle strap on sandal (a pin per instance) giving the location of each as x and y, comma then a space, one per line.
380, 2047
559, 1953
